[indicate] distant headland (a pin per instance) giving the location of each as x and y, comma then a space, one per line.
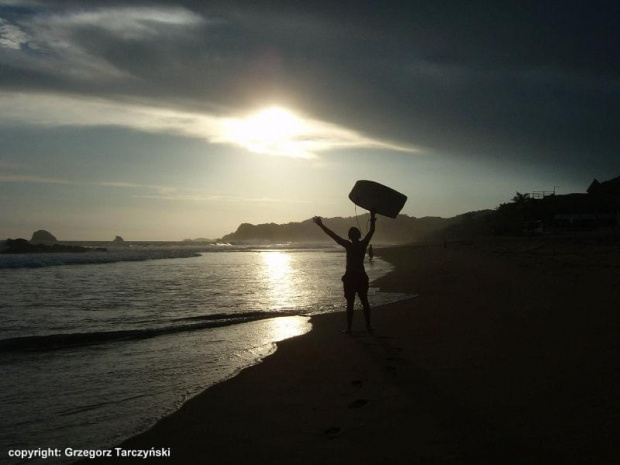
401, 230
541, 212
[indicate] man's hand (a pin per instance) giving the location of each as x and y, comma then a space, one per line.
373, 215
318, 220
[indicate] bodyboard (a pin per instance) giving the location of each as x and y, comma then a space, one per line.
372, 195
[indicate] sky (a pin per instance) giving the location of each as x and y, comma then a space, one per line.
167, 120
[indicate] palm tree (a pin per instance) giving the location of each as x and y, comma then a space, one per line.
521, 199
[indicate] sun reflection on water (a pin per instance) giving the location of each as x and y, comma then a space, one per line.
282, 282
278, 264
278, 329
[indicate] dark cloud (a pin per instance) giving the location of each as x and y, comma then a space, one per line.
531, 81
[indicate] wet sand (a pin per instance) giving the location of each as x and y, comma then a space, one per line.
508, 355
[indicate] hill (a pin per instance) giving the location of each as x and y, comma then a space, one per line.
403, 229
597, 212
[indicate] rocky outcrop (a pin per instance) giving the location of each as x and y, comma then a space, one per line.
43, 237
118, 240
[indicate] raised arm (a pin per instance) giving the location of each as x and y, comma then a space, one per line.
371, 231
319, 221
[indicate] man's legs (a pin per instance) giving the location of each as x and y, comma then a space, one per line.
366, 305
350, 304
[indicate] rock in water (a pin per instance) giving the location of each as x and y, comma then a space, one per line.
43, 237
118, 240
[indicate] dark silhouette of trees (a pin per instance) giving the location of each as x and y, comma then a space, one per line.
521, 199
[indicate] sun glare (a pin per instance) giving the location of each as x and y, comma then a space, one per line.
279, 279
273, 131
277, 267
287, 327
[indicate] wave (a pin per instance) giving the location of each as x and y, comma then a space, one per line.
138, 252
41, 260
70, 340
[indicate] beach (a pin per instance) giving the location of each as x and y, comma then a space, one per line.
508, 354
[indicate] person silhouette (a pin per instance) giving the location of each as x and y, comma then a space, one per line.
371, 253
355, 279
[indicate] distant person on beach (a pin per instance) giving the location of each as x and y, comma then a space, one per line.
371, 254
355, 279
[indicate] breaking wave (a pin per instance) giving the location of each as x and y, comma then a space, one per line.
133, 253
40, 260
68, 340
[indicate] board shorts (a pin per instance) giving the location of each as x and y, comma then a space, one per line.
355, 283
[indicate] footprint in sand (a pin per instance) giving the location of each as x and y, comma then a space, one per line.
332, 432
358, 403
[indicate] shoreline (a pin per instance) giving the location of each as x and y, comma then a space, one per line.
495, 361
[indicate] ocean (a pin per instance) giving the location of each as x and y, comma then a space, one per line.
98, 346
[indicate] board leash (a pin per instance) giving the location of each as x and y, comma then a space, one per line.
358, 223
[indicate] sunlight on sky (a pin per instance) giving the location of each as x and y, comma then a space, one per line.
278, 131
273, 131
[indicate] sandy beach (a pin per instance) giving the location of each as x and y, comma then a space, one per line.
508, 354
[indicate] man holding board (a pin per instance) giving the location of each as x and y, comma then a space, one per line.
355, 279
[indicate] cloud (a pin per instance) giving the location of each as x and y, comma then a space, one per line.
10, 165
311, 138
222, 198
160, 189
177, 193
123, 22
169, 193
33, 179
534, 83
11, 36
14, 178
59, 43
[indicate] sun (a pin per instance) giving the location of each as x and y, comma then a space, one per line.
273, 125
273, 131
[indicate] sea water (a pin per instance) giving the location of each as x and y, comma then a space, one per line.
97, 347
